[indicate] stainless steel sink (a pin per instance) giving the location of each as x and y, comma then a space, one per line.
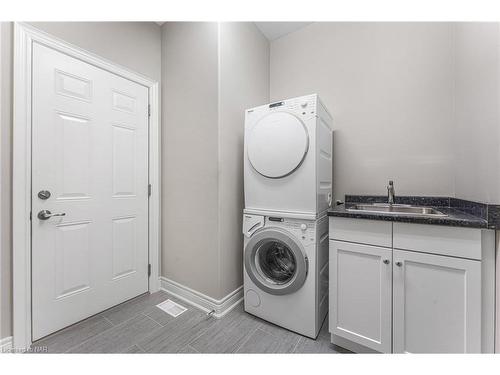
396, 209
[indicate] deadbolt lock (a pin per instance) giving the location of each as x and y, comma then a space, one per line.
44, 194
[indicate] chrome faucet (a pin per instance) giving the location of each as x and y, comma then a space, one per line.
391, 195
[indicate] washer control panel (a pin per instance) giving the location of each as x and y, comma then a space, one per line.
303, 229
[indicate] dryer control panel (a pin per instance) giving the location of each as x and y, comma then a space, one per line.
303, 106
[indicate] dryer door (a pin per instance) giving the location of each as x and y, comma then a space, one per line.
275, 261
277, 144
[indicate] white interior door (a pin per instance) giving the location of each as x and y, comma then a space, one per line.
437, 304
90, 153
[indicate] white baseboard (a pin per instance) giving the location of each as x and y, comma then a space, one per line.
5, 344
203, 302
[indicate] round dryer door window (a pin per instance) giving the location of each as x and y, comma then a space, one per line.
275, 261
277, 144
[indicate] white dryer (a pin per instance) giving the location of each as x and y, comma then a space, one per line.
288, 157
286, 271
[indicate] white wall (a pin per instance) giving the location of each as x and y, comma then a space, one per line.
135, 45
244, 83
210, 76
189, 155
5, 179
389, 87
477, 122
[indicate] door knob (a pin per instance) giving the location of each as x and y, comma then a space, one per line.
46, 214
386, 261
399, 264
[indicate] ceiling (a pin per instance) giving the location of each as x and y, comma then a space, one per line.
275, 30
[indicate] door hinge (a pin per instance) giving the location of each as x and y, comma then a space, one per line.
30, 216
149, 190
149, 269
149, 110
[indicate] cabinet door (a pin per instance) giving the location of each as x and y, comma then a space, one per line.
437, 304
361, 294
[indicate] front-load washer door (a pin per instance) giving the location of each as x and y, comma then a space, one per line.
276, 261
277, 144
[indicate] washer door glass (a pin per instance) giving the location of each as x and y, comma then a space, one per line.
277, 144
275, 261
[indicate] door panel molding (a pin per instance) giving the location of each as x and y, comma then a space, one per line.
24, 37
365, 271
436, 295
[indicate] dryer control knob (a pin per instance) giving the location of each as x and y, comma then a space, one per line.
304, 105
303, 227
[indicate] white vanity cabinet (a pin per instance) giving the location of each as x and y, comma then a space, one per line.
411, 288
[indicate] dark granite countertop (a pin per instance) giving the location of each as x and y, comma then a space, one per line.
460, 213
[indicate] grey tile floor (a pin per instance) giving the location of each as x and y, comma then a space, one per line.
138, 326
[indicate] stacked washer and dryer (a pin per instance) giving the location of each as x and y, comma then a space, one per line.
288, 189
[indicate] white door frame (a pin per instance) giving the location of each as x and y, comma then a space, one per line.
24, 37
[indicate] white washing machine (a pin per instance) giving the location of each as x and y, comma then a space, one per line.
286, 271
288, 157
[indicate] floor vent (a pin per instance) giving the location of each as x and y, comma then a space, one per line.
171, 308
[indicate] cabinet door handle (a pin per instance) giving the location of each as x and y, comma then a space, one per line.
399, 264
386, 261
